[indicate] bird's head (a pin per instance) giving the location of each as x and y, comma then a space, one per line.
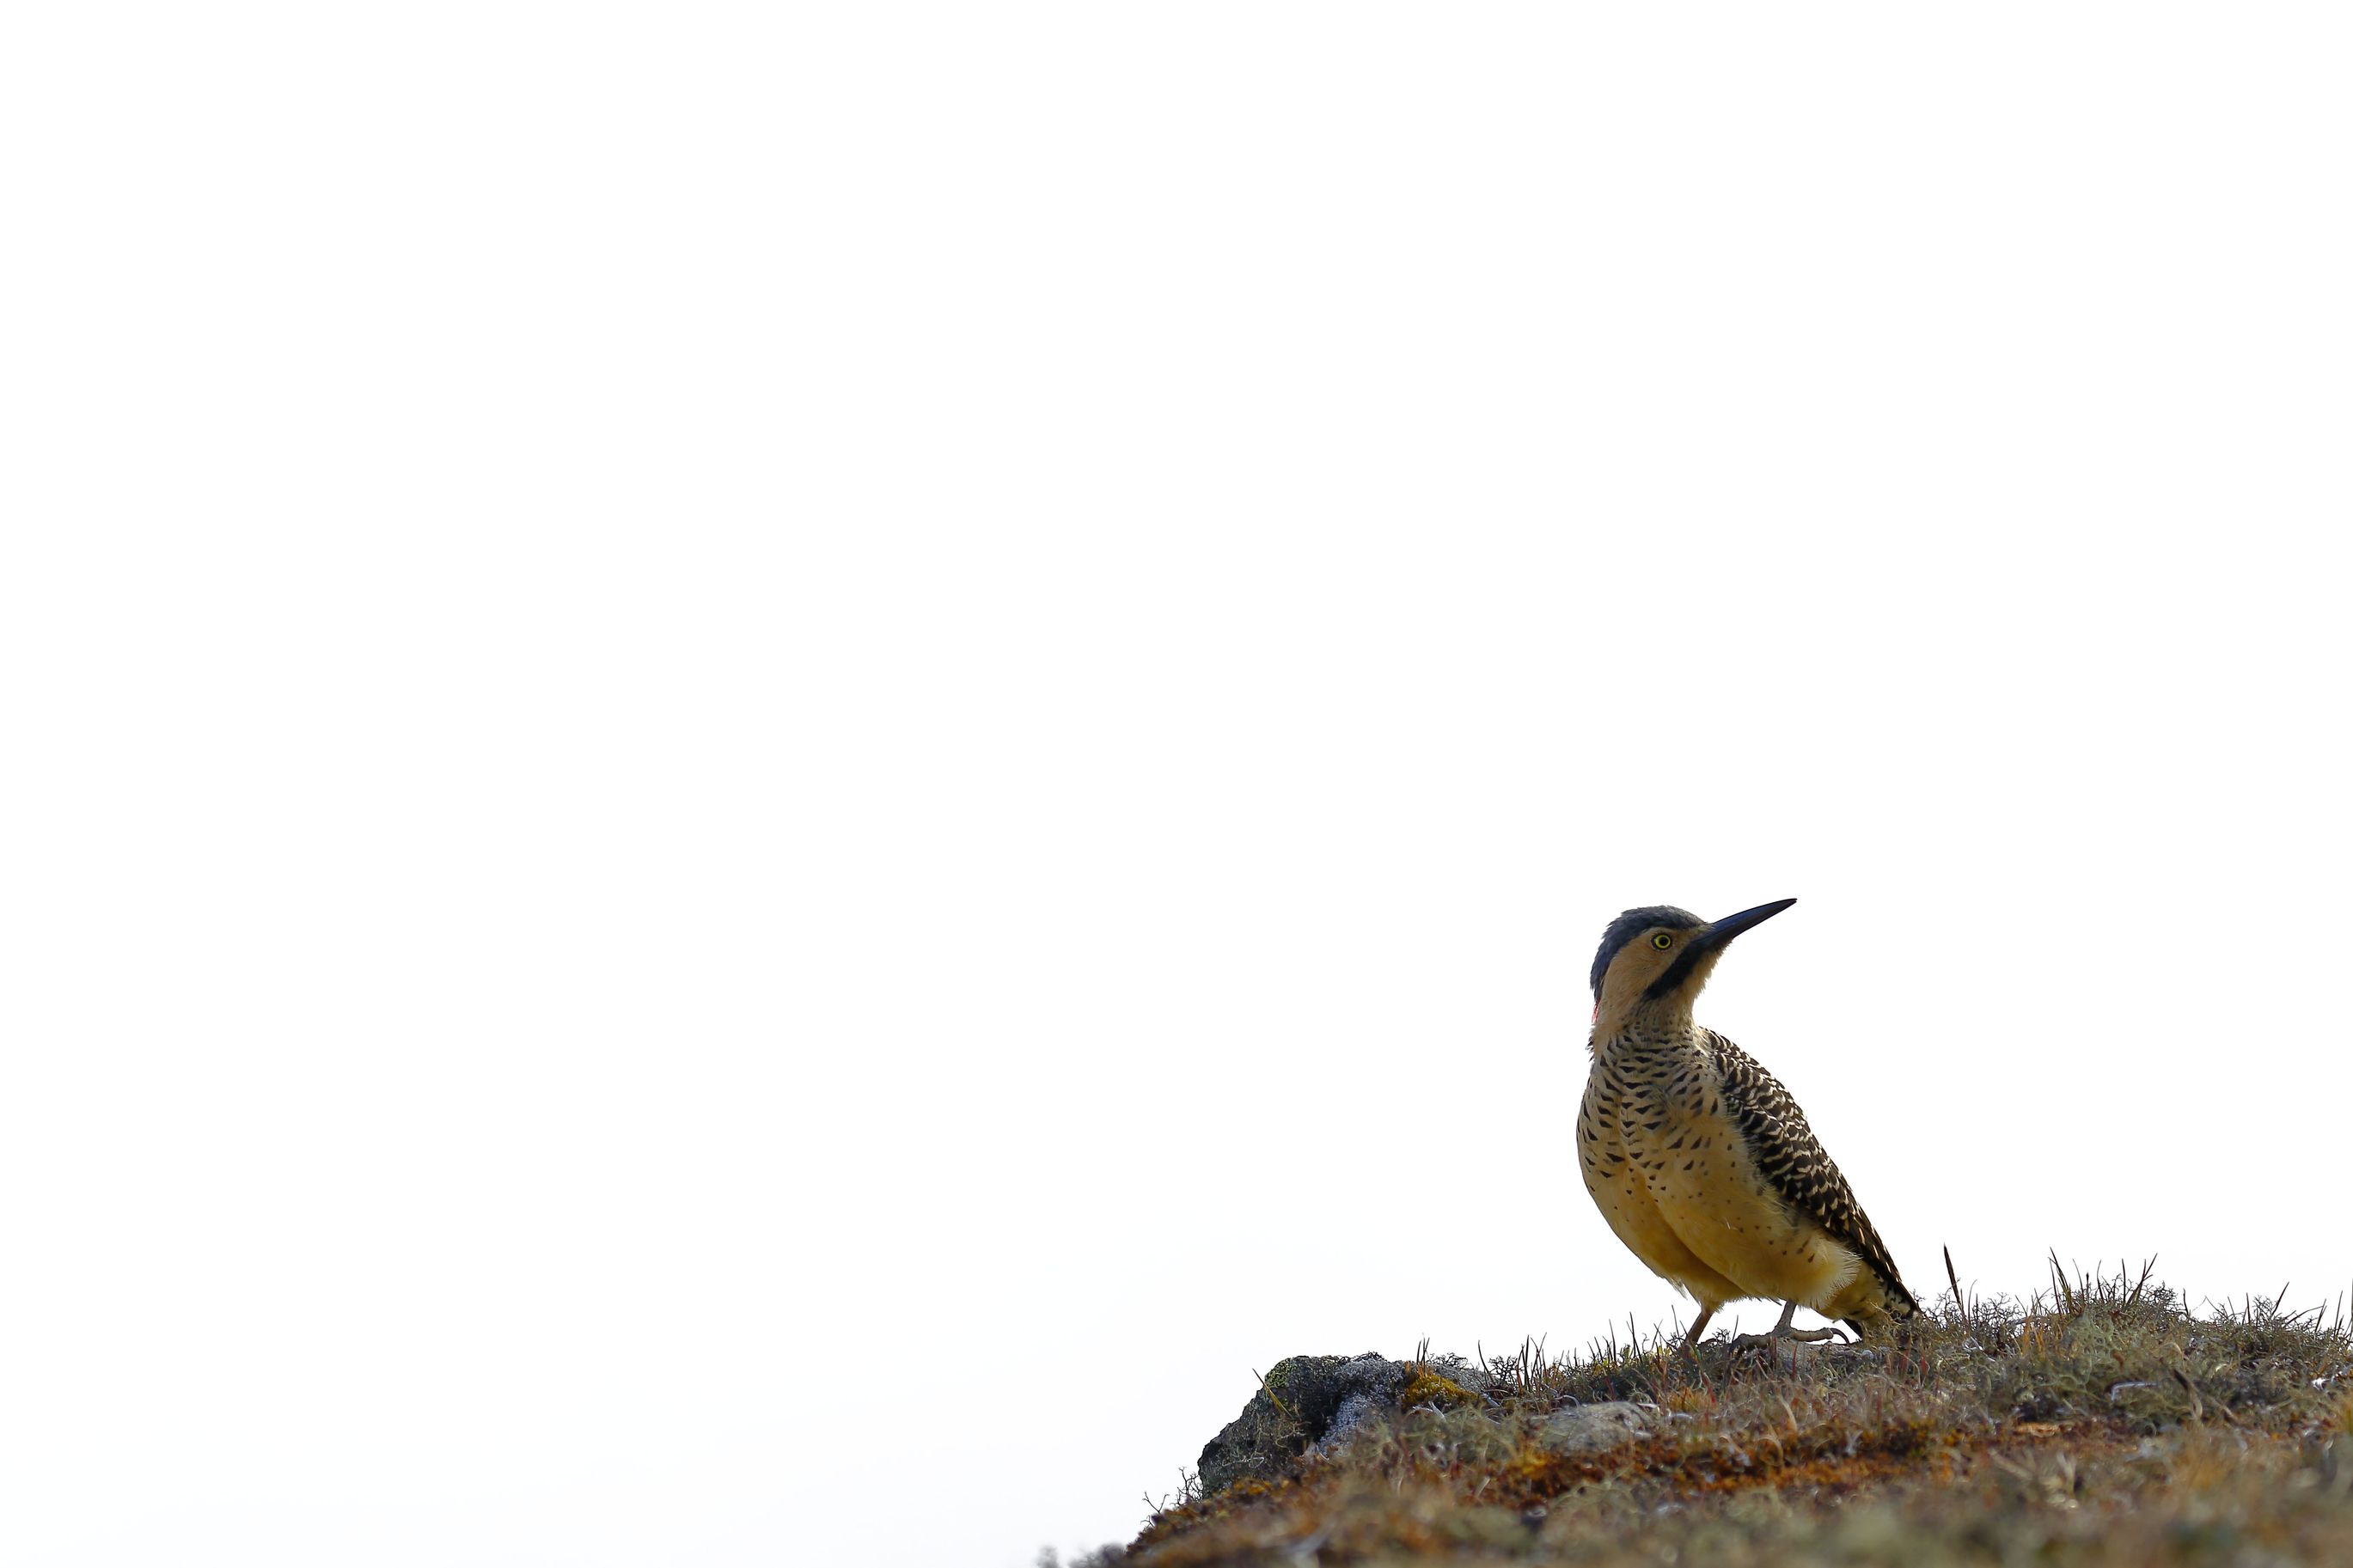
1656, 960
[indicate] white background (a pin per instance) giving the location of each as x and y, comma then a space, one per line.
772, 773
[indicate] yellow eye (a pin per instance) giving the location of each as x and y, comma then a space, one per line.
1663, 941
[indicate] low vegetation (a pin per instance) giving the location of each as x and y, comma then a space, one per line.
2103, 1420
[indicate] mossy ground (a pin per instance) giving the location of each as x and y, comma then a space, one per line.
2102, 1421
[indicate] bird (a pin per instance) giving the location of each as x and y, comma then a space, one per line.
1702, 1164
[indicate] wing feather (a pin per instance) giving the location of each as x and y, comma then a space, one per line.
1794, 1161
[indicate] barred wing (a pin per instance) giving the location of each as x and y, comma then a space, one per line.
1790, 1157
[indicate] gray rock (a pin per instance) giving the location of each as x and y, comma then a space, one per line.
1595, 1428
1307, 1399
1369, 1408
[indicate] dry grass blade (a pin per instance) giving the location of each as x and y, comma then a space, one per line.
2058, 1290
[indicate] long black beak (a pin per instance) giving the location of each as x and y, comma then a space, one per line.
1730, 926
1710, 941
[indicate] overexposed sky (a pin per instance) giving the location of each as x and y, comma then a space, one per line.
773, 772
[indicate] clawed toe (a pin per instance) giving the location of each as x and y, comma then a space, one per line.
1773, 1340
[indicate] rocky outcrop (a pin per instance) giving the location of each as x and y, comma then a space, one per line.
1312, 1402
1591, 1429
1305, 1400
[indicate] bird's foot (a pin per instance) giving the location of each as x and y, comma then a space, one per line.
1781, 1343
1772, 1337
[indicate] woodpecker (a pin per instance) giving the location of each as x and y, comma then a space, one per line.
1700, 1159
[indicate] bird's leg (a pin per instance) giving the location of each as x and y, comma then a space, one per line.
1782, 1330
1691, 1339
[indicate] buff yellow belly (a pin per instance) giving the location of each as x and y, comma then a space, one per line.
1719, 1206
1628, 1202
1677, 1184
